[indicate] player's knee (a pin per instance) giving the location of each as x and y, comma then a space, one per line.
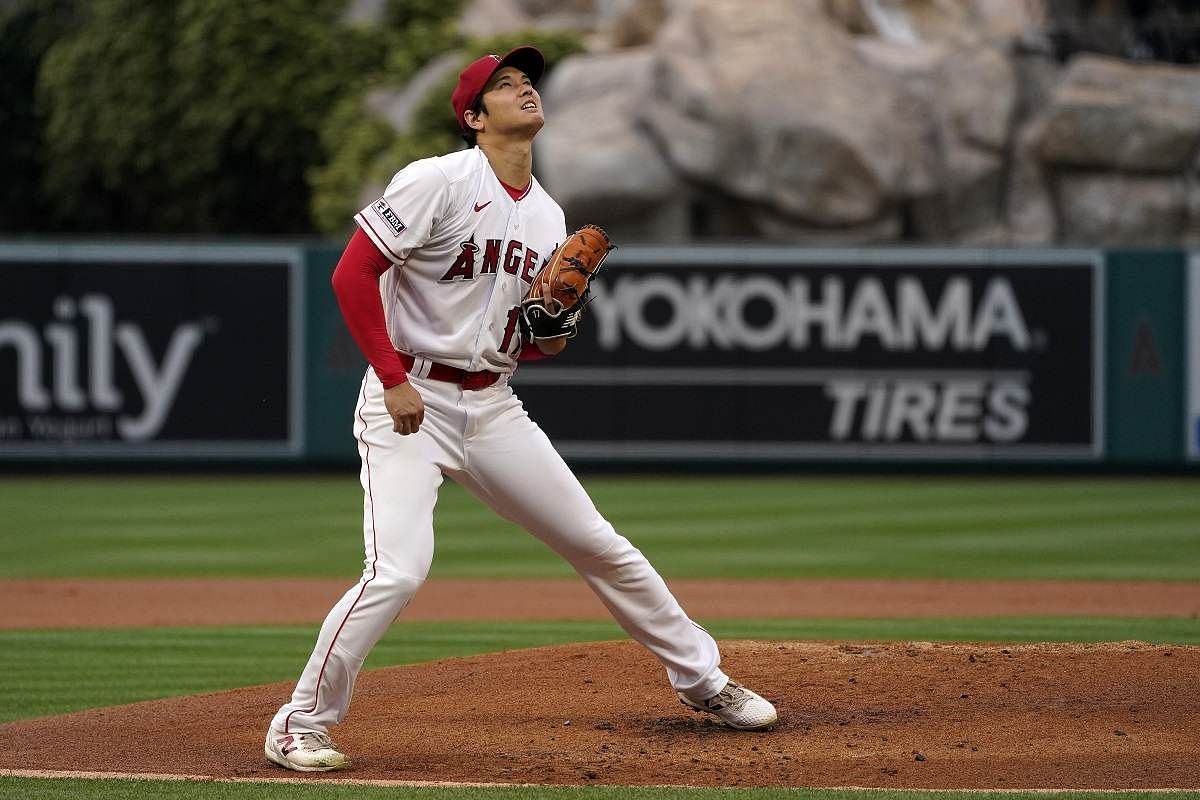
615, 557
395, 583
397, 567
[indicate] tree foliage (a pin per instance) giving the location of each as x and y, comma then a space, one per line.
214, 116
27, 29
193, 116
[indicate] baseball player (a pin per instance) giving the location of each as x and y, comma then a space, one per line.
431, 285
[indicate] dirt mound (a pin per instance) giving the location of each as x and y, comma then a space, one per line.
888, 715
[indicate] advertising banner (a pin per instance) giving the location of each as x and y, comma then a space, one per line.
1192, 425
777, 355
154, 351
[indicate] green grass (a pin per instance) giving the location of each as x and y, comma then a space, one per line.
175, 790
934, 527
53, 672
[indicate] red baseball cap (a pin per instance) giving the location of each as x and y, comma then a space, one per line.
472, 79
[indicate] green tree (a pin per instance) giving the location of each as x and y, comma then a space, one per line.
27, 29
194, 116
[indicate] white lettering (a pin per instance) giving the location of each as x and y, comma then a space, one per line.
70, 429
11, 428
65, 343
704, 312
825, 313
157, 387
158, 384
1007, 421
845, 396
912, 404
606, 309
953, 315
869, 315
30, 392
958, 414
705, 322
99, 311
769, 335
943, 411
876, 405
999, 313
639, 295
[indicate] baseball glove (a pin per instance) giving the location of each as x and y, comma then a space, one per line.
568, 275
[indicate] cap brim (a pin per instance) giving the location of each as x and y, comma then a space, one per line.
528, 59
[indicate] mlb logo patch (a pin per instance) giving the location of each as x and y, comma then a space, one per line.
387, 215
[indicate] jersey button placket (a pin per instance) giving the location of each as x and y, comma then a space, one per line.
497, 294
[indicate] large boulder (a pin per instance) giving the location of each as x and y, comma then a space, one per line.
576, 15
1029, 205
483, 18
969, 93
958, 21
977, 87
973, 101
1191, 233
397, 104
1106, 209
1110, 114
969, 196
592, 156
771, 103
771, 225
637, 23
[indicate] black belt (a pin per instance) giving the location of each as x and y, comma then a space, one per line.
479, 379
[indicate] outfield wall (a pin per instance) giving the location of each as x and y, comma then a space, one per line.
206, 352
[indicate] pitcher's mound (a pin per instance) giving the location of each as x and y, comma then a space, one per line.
889, 715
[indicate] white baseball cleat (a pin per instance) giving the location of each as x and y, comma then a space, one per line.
304, 752
737, 707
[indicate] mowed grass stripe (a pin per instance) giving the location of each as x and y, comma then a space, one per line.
53, 672
1097, 528
73, 788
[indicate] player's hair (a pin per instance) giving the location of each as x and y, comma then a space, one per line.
477, 108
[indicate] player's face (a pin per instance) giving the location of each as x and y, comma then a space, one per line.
513, 105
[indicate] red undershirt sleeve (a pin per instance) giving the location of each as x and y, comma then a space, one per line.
356, 286
531, 352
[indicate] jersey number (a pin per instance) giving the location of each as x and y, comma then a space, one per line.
510, 329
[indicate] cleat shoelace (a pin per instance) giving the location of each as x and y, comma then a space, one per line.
731, 696
321, 741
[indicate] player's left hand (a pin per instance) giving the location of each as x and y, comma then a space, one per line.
554, 303
544, 320
552, 347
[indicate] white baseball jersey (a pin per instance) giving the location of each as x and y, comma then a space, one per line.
465, 254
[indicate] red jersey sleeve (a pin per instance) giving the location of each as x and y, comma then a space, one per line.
356, 286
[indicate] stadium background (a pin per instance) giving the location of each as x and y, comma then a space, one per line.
178, 177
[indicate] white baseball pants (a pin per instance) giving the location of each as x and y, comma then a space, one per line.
484, 441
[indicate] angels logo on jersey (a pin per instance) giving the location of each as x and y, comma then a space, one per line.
517, 259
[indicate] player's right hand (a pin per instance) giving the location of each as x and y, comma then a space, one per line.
405, 406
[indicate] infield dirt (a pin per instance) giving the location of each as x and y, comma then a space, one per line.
921, 715
102, 603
